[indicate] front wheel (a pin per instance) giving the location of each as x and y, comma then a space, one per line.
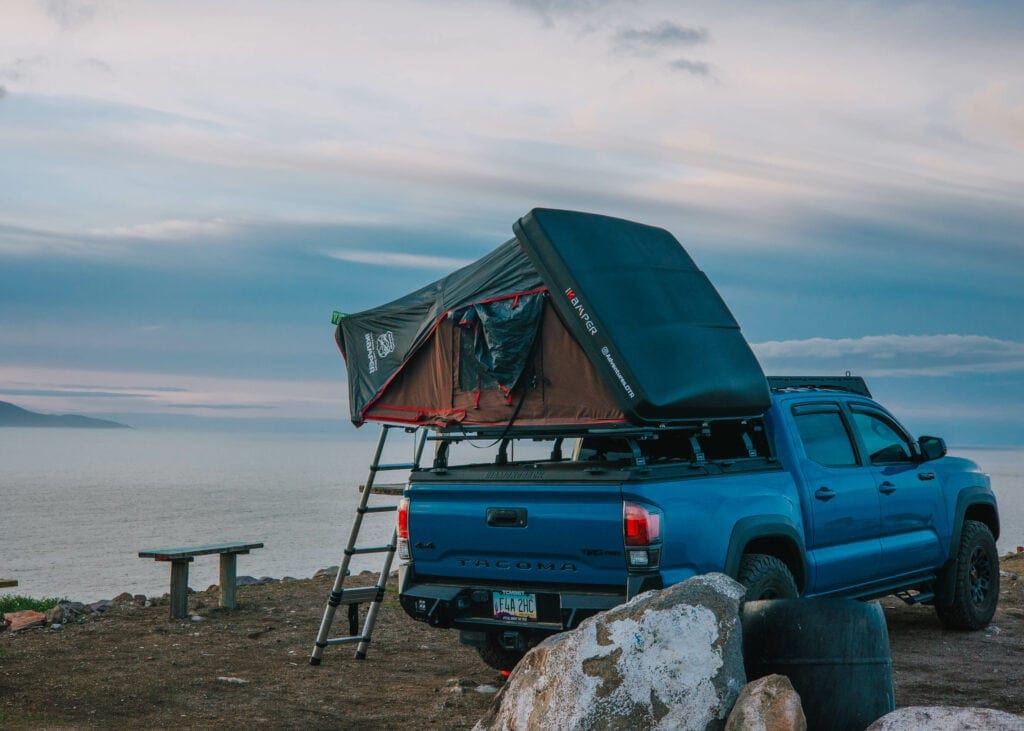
766, 577
975, 584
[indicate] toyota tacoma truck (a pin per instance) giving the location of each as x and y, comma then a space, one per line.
824, 495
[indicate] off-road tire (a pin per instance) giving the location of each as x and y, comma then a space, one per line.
497, 656
766, 577
975, 581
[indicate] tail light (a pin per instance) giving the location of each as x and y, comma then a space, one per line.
403, 529
641, 532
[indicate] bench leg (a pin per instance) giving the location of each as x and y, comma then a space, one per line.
228, 571
179, 588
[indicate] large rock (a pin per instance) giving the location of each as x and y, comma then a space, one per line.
913, 718
668, 659
767, 704
24, 620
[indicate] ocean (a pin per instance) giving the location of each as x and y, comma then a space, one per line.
77, 505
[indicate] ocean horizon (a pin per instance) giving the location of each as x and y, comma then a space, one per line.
77, 505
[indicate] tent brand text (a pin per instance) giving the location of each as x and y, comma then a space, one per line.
483, 563
371, 357
618, 374
581, 311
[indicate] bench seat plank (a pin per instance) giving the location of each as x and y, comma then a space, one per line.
4, 583
172, 554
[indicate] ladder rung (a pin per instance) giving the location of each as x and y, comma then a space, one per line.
369, 549
398, 466
381, 509
359, 595
346, 640
394, 488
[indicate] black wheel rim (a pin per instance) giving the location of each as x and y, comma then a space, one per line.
980, 576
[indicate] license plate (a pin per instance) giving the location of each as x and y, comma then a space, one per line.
515, 606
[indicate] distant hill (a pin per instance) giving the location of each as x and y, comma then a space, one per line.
11, 415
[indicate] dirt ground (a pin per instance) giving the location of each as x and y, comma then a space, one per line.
132, 667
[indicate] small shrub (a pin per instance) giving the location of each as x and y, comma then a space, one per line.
20, 603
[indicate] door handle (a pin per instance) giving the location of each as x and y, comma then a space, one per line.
824, 493
887, 488
506, 517
926, 475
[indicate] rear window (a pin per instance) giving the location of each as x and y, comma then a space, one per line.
825, 439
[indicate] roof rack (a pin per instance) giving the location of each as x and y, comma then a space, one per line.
852, 384
457, 433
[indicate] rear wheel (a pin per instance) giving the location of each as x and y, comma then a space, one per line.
766, 577
975, 583
498, 657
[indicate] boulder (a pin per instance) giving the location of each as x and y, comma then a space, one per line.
666, 659
913, 718
55, 615
123, 598
24, 619
767, 704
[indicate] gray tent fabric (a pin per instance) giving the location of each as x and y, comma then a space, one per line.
377, 343
652, 326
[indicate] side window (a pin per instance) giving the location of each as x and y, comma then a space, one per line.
882, 439
825, 439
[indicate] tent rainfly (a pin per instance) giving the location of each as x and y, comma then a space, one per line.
579, 321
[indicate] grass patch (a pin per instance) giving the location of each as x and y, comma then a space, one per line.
20, 603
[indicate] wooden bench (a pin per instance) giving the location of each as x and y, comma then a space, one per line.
182, 556
5, 583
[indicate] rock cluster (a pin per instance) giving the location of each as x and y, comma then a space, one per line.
668, 659
673, 659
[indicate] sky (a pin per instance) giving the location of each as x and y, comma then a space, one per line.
189, 189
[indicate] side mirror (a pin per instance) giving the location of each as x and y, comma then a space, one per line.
932, 448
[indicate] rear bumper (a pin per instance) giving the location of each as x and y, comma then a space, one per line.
469, 606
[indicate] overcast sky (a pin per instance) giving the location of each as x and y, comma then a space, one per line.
189, 189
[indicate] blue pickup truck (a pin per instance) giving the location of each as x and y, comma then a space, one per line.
824, 495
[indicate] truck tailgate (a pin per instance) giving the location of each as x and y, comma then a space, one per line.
518, 533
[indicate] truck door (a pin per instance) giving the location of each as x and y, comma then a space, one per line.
910, 498
845, 527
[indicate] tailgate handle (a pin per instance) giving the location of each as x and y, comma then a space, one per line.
506, 517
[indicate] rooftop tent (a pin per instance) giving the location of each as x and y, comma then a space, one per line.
580, 320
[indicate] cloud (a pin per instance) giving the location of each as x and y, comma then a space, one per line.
99, 392
396, 259
69, 392
998, 111
3, 91
665, 34
697, 68
219, 407
547, 10
167, 230
70, 14
893, 355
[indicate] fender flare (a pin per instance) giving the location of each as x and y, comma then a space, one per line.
764, 526
966, 498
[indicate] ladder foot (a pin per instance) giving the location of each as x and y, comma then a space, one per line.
360, 655
314, 661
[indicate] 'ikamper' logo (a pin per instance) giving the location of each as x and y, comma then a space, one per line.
581, 311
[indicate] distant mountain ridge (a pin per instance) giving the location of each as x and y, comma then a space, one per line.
11, 415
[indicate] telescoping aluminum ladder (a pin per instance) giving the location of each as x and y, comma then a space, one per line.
372, 594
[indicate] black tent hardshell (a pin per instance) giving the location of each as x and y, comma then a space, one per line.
579, 320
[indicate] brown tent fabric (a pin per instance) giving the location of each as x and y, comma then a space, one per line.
559, 387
